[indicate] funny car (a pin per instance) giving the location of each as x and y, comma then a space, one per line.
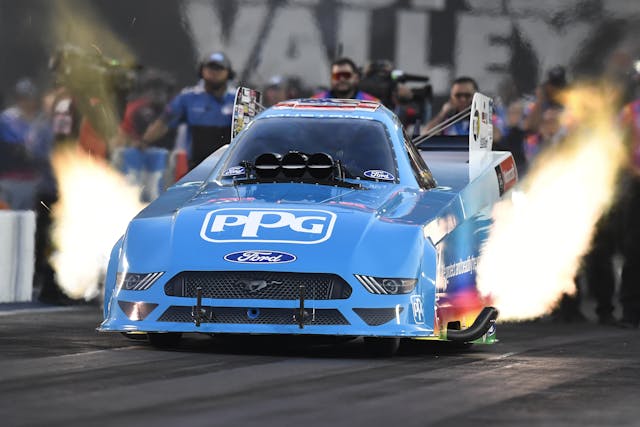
321, 218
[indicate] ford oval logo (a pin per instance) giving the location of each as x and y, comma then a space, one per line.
260, 257
379, 174
233, 171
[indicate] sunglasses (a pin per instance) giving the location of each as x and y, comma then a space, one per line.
462, 95
342, 75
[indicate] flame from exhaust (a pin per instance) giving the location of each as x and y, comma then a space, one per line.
96, 204
542, 231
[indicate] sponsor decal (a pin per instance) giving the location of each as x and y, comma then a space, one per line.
233, 171
507, 175
475, 126
469, 265
379, 174
500, 180
260, 257
492, 329
509, 172
418, 309
302, 226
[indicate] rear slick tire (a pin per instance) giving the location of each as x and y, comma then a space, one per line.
165, 340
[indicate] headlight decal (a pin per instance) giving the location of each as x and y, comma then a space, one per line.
136, 281
386, 286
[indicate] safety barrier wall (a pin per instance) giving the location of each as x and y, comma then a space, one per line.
17, 255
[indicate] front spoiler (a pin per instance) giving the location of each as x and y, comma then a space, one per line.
266, 317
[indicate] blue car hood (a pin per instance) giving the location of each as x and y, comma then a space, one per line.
323, 228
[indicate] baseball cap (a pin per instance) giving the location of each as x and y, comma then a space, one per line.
25, 88
218, 58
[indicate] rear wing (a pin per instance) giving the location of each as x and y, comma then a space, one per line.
480, 134
479, 141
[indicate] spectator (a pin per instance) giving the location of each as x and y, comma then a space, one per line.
549, 133
617, 231
513, 136
206, 109
295, 88
547, 96
376, 80
344, 82
65, 117
630, 217
274, 92
460, 98
26, 131
18, 172
143, 164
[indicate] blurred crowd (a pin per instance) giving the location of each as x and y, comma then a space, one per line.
137, 120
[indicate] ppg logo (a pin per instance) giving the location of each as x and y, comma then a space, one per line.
304, 226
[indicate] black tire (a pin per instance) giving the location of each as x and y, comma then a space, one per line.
165, 340
135, 337
382, 347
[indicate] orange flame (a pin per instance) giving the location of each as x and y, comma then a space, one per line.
545, 227
96, 204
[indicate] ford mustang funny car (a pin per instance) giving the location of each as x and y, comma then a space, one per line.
321, 218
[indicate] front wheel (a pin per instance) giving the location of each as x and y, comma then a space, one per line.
165, 340
382, 347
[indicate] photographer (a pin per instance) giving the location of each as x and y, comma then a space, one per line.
90, 96
411, 105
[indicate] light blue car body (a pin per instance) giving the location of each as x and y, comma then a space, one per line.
384, 230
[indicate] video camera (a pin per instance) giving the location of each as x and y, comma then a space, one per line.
412, 104
92, 74
95, 79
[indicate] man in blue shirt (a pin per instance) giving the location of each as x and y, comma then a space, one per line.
206, 109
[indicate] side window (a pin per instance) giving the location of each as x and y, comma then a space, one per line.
420, 169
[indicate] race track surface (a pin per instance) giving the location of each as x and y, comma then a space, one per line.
55, 370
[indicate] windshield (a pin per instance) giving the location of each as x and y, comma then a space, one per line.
362, 146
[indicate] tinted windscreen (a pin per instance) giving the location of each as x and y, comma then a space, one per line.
361, 145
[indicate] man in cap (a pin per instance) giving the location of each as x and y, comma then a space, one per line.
206, 109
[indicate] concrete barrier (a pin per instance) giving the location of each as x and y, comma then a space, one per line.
17, 255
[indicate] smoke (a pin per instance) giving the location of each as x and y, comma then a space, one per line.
544, 228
